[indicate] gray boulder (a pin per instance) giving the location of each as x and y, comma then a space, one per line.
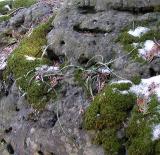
77, 35
126, 5
30, 17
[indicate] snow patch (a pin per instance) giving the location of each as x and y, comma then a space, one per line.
147, 47
144, 87
29, 58
121, 81
44, 69
150, 50
7, 7
104, 70
139, 31
156, 132
3, 62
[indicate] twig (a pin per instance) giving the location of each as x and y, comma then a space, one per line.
44, 51
15, 11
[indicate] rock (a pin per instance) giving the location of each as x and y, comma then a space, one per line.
123, 5
48, 134
30, 17
77, 35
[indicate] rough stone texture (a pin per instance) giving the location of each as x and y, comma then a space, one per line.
125, 5
29, 131
30, 17
78, 34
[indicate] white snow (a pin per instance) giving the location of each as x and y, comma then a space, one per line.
156, 132
143, 87
139, 31
121, 81
44, 69
29, 58
135, 45
3, 66
147, 47
104, 70
3, 62
7, 7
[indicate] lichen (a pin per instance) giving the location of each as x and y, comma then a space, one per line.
37, 93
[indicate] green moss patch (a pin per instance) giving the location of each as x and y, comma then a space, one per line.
4, 18
37, 92
136, 79
23, 3
106, 114
139, 131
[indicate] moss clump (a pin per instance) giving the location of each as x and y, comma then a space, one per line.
23, 3
139, 131
136, 79
18, 65
109, 141
106, 114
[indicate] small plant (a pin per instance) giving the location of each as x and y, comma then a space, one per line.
92, 80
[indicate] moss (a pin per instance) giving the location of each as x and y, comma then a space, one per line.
19, 66
109, 141
4, 18
157, 148
157, 8
136, 79
23, 3
127, 40
139, 131
106, 113
106, 105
